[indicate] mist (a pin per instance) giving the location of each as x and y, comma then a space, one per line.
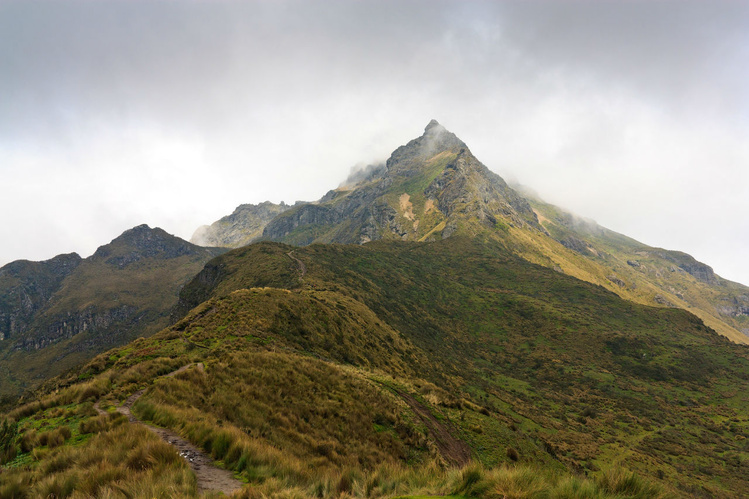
118, 113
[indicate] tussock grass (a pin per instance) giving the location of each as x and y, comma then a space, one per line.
309, 408
126, 460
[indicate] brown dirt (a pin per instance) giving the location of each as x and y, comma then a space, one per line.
209, 476
302, 266
454, 451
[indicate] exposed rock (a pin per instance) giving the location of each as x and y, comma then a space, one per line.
365, 174
67, 304
661, 300
576, 245
241, 228
633, 263
736, 306
617, 281
26, 287
142, 242
687, 263
456, 184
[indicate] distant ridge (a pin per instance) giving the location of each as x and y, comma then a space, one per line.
63, 311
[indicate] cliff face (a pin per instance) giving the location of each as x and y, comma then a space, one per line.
58, 313
26, 287
241, 228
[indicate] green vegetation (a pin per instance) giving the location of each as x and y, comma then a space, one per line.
582, 377
346, 380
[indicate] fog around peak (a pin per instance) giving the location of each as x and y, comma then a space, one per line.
174, 113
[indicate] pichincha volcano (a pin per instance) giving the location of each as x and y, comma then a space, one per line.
426, 331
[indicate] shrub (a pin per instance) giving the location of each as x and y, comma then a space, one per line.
621, 482
8, 437
29, 440
15, 489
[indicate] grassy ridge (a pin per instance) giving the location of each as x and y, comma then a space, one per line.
591, 379
545, 377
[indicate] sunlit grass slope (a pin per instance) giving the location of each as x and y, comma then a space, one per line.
332, 369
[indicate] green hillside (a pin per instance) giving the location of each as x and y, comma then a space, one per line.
380, 370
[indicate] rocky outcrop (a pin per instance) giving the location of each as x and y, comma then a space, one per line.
467, 187
92, 320
661, 300
688, 264
575, 244
241, 228
26, 287
143, 242
124, 290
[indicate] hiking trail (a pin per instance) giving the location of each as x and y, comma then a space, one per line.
453, 450
209, 476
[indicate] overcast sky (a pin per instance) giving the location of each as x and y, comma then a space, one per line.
172, 113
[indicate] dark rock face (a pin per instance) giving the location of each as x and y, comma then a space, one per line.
575, 244
87, 320
26, 287
617, 281
736, 306
688, 264
468, 187
661, 300
140, 243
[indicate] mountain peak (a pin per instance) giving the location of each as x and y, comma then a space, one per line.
141, 242
433, 124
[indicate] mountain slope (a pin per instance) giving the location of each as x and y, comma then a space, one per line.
27, 286
433, 188
652, 275
243, 226
517, 361
71, 309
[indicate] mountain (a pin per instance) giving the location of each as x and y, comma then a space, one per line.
481, 343
433, 188
27, 286
61, 312
243, 226
399, 368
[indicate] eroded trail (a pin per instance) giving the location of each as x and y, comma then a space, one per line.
302, 266
209, 476
453, 450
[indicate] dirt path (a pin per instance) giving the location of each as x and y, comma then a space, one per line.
453, 450
209, 476
302, 266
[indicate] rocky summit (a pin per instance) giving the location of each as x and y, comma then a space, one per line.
431, 188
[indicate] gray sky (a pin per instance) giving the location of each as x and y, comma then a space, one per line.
172, 113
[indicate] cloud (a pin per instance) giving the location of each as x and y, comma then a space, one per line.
172, 113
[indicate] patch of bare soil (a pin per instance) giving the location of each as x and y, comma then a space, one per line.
453, 450
209, 476
302, 266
